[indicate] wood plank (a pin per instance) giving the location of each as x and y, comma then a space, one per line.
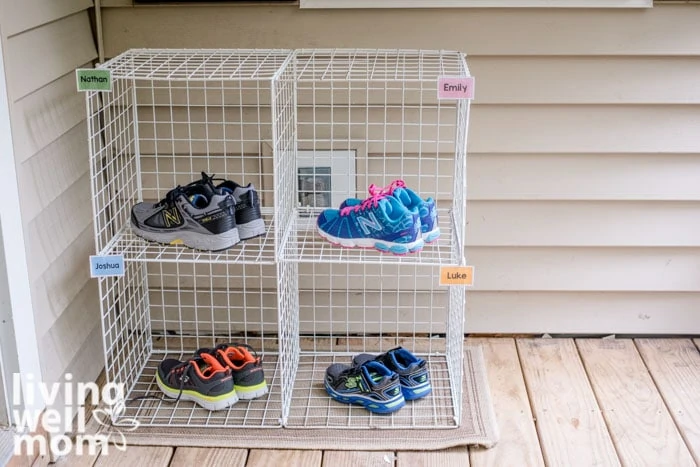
287, 457
204, 457
46, 175
75, 327
534, 312
117, 3
697, 343
585, 269
631, 403
530, 312
571, 429
518, 443
558, 129
41, 55
136, 456
368, 459
583, 177
57, 227
20, 16
585, 80
675, 366
75, 460
454, 457
583, 223
43, 116
492, 129
540, 80
62, 282
663, 30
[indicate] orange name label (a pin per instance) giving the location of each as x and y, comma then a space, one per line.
457, 275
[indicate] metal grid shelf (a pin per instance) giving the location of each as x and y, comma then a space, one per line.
198, 65
311, 406
306, 245
381, 64
259, 250
255, 116
264, 412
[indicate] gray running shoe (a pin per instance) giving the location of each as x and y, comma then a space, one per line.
198, 216
248, 217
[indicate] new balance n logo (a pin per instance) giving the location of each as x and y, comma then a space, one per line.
172, 217
369, 222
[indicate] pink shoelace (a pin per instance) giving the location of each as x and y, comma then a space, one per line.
376, 194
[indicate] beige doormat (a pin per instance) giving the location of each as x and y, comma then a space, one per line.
478, 427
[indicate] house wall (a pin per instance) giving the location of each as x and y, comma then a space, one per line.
7, 336
44, 41
584, 149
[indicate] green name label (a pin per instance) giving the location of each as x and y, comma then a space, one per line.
90, 79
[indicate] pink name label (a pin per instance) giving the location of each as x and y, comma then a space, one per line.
455, 88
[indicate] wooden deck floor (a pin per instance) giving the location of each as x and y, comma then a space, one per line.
559, 402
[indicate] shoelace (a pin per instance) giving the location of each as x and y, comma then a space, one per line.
376, 194
173, 194
170, 196
151, 396
371, 202
387, 190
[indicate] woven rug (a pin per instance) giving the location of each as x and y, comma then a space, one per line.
478, 427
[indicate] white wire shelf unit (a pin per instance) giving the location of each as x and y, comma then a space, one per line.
171, 115
371, 117
258, 250
309, 129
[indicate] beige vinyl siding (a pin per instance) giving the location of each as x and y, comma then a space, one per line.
584, 148
44, 41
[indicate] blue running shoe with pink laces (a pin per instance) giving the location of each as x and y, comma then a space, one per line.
380, 222
426, 209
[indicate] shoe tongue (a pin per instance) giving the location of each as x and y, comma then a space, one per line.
388, 204
208, 364
372, 372
203, 350
402, 195
234, 353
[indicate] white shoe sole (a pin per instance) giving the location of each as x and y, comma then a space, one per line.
251, 229
381, 245
196, 240
209, 403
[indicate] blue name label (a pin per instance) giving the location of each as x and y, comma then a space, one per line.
106, 266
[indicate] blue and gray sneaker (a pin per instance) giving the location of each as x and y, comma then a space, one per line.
379, 222
426, 209
371, 385
412, 371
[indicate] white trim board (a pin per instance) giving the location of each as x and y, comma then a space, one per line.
476, 4
18, 336
7, 445
4, 376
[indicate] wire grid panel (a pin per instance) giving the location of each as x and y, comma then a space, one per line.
382, 107
380, 110
372, 308
284, 128
126, 330
173, 114
259, 250
288, 306
311, 406
145, 405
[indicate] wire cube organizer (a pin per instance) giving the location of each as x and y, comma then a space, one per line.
309, 128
